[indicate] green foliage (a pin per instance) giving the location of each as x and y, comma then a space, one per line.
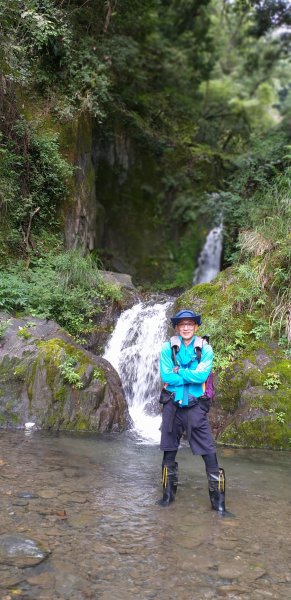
3, 327
35, 177
272, 381
224, 356
13, 292
23, 332
67, 370
198, 84
260, 331
66, 287
99, 374
280, 415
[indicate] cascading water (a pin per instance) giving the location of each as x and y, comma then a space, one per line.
133, 350
134, 347
210, 257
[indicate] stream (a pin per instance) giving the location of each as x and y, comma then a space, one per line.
90, 500
78, 512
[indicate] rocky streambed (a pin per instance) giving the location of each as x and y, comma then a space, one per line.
78, 520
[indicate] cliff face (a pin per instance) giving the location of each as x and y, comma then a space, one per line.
82, 214
114, 206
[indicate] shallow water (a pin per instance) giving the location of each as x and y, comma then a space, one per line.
94, 508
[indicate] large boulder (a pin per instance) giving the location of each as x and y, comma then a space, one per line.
105, 319
48, 380
255, 391
252, 407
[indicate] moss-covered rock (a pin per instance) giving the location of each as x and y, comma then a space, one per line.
253, 375
50, 381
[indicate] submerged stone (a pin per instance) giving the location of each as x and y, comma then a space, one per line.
19, 551
27, 495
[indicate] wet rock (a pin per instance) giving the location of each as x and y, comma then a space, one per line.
238, 567
28, 495
21, 551
45, 580
201, 564
233, 569
83, 520
9, 579
121, 279
48, 493
225, 544
54, 532
230, 590
190, 543
20, 502
77, 498
255, 573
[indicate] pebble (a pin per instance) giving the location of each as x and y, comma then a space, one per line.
48, 493
78, 498
227, 590
45, 580
20, 502
28, 495
11, 579
232, 569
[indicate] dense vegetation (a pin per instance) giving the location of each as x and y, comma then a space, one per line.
202, 86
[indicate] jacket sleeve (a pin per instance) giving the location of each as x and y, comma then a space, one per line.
166, 367
201, 372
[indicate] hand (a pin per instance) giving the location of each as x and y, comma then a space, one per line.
176, 369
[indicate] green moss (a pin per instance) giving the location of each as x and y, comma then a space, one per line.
99, 374
20, 371
14, 418
8, 415
81, 423
54, 419
264, 432
22, 332
282, 368
54, 353
60, 395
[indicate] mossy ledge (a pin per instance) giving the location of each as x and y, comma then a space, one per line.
247, 411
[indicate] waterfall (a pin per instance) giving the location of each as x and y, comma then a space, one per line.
210, 257
133, 350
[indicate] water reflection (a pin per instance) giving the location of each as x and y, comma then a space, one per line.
92, 503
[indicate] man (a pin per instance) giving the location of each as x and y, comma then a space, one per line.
184, 372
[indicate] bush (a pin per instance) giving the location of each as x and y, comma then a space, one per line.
66, 287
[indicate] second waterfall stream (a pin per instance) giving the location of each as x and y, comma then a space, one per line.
133, 350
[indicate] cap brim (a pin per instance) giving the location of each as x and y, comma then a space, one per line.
197, 320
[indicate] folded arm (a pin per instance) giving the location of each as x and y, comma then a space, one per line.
166, 368
202, 371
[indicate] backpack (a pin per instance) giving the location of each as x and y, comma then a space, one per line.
208, 385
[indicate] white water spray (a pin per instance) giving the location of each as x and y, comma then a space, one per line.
133, 350
210, 257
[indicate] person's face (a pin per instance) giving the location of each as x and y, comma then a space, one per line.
186, 328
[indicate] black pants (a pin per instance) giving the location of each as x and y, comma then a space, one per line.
193, 421
210, 460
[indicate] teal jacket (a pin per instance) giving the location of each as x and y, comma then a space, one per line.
191, 376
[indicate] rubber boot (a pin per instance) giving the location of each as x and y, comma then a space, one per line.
170, 483
217, 492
